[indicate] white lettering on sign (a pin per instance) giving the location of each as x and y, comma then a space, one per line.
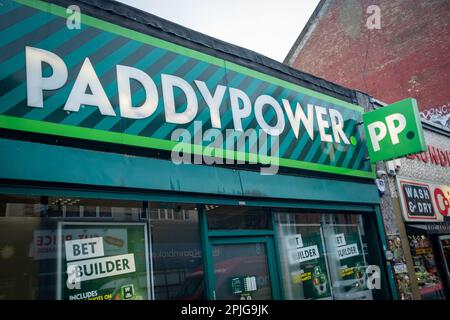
340, 240
87, 78
425, 208
46, 242
303, 254
417, 193
347, 251
87, 90
84, 249
294, 241
100, 268
36, 83
377, 130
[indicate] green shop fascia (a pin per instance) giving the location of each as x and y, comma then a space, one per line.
118, 179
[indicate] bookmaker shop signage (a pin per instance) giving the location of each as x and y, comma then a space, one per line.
394, 131
104, 262
107, 83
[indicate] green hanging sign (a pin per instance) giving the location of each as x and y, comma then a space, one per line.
394, 131
103, 261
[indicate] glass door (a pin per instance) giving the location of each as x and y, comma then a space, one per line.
244, 269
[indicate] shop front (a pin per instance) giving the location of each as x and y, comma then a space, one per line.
117, 180
415, 210
60, 243
425, 207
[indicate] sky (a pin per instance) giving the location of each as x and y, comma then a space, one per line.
269, 27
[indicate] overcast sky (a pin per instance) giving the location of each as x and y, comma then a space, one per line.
269, 27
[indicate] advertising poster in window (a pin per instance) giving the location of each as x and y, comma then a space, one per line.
350, 255
103, 262
309, 272
349, 262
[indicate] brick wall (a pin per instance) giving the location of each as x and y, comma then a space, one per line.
408, 57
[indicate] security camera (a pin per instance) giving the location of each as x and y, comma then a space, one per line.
390, 167
381, 173
381, 186
397, 164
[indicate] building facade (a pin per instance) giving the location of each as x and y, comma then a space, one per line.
402, 51
415, 208
98, 200
390, 49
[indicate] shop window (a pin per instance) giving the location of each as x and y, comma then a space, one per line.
242, 272
32, 230
427, 274
37, 249
445, 247
323, 256
20, 268
237, 218
20, 207
176, 251
104, 261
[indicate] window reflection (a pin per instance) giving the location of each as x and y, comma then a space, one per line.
427, 274
242, 272
177, 255
323, 256
237, 217
29, 242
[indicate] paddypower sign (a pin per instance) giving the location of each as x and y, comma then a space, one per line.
394, 131
107, 83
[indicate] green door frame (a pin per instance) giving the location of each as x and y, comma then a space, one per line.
210, 237
270, 251
377, 239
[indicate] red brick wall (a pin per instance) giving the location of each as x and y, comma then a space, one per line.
408, 57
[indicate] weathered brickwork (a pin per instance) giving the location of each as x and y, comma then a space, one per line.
409, 56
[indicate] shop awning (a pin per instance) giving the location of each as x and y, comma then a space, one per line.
428, 228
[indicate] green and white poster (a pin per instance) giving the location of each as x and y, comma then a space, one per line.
349, 254
103, 261
309, 271
348, 258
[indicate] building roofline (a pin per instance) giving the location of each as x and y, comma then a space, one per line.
147, 23
435, 127
293, 52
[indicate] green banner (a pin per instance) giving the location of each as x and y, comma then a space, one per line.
101, 261
107, 83
394, 131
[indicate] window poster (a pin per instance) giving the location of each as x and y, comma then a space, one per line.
101, 261
306, 259
350, 255
348, 262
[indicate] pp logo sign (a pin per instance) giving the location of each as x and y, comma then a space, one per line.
394, 131
394, 124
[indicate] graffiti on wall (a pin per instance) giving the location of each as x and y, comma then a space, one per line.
439, 115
